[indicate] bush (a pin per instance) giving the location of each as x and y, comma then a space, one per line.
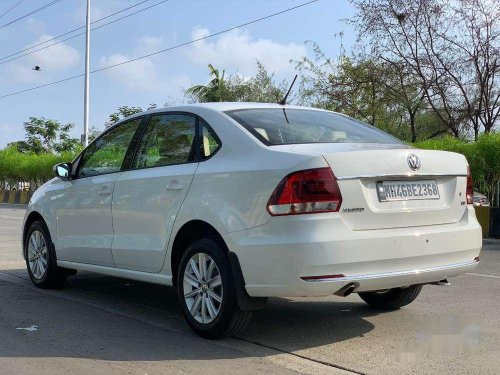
483, 156
33, 168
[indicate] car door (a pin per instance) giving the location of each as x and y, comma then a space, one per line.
83, 207
147, 197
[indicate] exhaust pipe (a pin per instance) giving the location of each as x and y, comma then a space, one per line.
443, 282
347, 289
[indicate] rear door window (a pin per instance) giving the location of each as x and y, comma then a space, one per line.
168, 140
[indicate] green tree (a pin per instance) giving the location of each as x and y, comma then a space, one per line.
451, 46
261, 88
234, 88
93, 133
47, 136
383, 93
483, 156
122, 112
214, 91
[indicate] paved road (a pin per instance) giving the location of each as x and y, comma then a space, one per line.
103, 325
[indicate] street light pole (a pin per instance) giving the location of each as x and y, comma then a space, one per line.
87, 83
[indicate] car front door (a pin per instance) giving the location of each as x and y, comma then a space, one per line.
83, 206
147, 197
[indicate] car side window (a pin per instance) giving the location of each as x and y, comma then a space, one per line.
168, 140
209, 144
106, 154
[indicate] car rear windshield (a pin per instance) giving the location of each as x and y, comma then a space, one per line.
281, 126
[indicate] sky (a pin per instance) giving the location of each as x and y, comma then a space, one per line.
158, 79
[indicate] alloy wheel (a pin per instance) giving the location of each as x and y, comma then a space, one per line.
202, 288
37, 254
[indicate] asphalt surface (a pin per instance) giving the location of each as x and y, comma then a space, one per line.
104, 325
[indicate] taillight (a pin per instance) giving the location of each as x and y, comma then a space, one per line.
306, 192
469, 192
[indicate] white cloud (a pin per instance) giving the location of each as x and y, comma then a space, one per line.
139, 74
237, 50
36, 26
148, 44
22, 73
55, 58
51, 60
144, 74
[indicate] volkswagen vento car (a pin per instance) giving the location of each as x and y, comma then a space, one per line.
232, 203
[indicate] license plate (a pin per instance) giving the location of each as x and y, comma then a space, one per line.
407, 190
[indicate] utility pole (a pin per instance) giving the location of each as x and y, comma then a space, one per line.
87, 83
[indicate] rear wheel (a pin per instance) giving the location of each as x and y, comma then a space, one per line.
392, 299
41, 259
206, 291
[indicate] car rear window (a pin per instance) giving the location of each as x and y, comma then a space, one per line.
281, 126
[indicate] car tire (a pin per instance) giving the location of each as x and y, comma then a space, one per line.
209, 303
391, 299
41, 260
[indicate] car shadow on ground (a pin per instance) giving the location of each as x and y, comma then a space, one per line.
80, 323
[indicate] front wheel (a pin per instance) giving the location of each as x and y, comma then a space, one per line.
391, 299
41, 259
207, 293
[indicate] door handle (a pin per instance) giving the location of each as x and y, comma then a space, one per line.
104, 191
174, 185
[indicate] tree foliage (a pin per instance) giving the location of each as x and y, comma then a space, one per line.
47, 136
451, 47
483, 156
214, 91
234, 88
383, 94
16, 166
124, 111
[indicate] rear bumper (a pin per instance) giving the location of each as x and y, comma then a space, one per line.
376, 281
275, 256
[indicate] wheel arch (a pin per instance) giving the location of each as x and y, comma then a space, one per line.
196, 229
186, 234
30, 219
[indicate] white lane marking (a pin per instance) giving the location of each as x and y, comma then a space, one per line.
483, 275
29, 329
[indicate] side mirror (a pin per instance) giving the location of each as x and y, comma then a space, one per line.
63, 170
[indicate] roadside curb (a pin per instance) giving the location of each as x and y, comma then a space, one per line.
491, 241
15, 196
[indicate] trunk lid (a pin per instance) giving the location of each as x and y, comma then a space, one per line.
360, 167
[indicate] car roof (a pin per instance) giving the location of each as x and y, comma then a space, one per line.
229, 106
218, 107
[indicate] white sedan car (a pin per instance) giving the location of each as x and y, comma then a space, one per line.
232, 203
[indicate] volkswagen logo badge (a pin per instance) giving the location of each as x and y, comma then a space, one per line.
414, 162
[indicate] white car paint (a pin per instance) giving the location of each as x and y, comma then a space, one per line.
145, 205
78, 214
130, 232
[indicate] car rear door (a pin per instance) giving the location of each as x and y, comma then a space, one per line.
83, 206
148, 196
